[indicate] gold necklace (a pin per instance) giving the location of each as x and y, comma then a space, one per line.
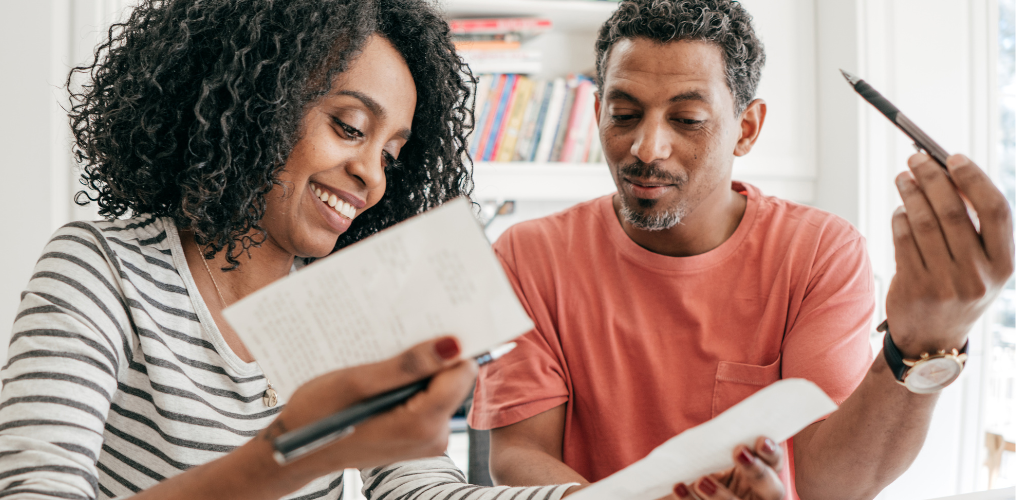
270, 398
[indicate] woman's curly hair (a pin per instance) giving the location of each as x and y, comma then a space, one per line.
722, 22
193, 106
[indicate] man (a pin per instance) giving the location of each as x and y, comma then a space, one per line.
666, 303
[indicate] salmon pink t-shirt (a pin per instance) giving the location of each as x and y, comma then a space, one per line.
642, 346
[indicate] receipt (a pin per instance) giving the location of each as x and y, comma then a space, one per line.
779, 411
429, 276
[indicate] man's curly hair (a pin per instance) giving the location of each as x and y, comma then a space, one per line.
193, 106
722, 22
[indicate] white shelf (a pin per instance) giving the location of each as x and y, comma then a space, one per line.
585, 181
541, 181
567, 15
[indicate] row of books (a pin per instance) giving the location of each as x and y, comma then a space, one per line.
524, 119
496, 45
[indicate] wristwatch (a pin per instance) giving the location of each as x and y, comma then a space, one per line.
930, 373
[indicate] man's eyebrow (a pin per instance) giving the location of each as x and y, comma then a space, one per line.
374, 107
691, 95
615, 94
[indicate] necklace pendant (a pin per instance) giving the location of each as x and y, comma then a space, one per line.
271, 398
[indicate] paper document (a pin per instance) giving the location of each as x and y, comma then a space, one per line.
778, 412
429, 276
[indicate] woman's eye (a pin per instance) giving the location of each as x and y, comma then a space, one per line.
389, 161
350, 131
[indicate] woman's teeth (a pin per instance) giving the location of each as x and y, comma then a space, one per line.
344, 209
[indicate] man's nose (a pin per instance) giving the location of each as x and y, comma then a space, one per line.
652, 141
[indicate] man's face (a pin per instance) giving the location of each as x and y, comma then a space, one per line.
668, 128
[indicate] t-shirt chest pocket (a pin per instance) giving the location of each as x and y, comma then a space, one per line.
736, 381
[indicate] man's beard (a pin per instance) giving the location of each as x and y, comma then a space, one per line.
642, 216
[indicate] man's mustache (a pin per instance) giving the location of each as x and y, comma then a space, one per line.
649, 172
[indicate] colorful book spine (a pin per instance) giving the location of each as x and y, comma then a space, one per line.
562, 126
489, 112
505, 122
528, 127
575, 145
495, 129
523, 93
549, 125
526, 25
541, 118
480, 107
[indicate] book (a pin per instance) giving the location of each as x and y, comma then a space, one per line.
489, 112
463, 45
480, 107
505, 117
529, 118
495, 129
562, 125
523, 92
427, 277
575, 142
548, 126
524, 25
502, 61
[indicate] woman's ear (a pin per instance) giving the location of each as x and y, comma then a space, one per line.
751, 125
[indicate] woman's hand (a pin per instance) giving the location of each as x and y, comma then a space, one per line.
416, 429
753, 477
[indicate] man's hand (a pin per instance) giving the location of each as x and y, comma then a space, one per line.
947, 274
754, 477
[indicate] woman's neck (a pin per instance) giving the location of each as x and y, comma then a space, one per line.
258, 267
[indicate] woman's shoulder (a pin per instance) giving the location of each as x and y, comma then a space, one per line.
146, 238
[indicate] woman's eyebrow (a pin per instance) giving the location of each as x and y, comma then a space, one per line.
374, 107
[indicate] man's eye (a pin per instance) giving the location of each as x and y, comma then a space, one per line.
348, 129
622, 118
689, 121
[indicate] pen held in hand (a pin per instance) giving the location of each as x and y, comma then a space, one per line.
294, 444
921, 140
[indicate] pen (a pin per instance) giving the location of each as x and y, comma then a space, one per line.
921, 140
294, 444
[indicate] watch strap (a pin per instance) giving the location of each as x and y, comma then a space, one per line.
893, 356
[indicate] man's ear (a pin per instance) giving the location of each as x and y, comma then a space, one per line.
596, 108
751, 125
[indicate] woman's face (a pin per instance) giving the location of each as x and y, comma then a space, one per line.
337, 167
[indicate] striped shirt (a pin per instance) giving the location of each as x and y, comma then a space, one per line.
117, 378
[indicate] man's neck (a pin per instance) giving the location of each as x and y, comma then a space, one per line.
707, 227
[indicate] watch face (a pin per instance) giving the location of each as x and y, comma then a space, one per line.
932, 375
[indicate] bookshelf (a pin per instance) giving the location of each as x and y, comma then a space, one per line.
783, 162
567, 48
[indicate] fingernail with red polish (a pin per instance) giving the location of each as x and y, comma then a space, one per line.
680, 490
707, 486
744, 457
447, 348
769, 446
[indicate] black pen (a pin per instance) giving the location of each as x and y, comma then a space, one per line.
921, 140
294, 444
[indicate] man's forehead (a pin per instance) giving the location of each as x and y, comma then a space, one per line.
640, 65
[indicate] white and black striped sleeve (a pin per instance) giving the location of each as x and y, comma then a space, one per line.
439, 479
71, 339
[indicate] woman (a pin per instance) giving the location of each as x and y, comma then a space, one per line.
240, 137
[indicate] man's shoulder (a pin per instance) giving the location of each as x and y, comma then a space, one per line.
783, 218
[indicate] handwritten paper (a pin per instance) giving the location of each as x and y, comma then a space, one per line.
779, 411
432, 275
